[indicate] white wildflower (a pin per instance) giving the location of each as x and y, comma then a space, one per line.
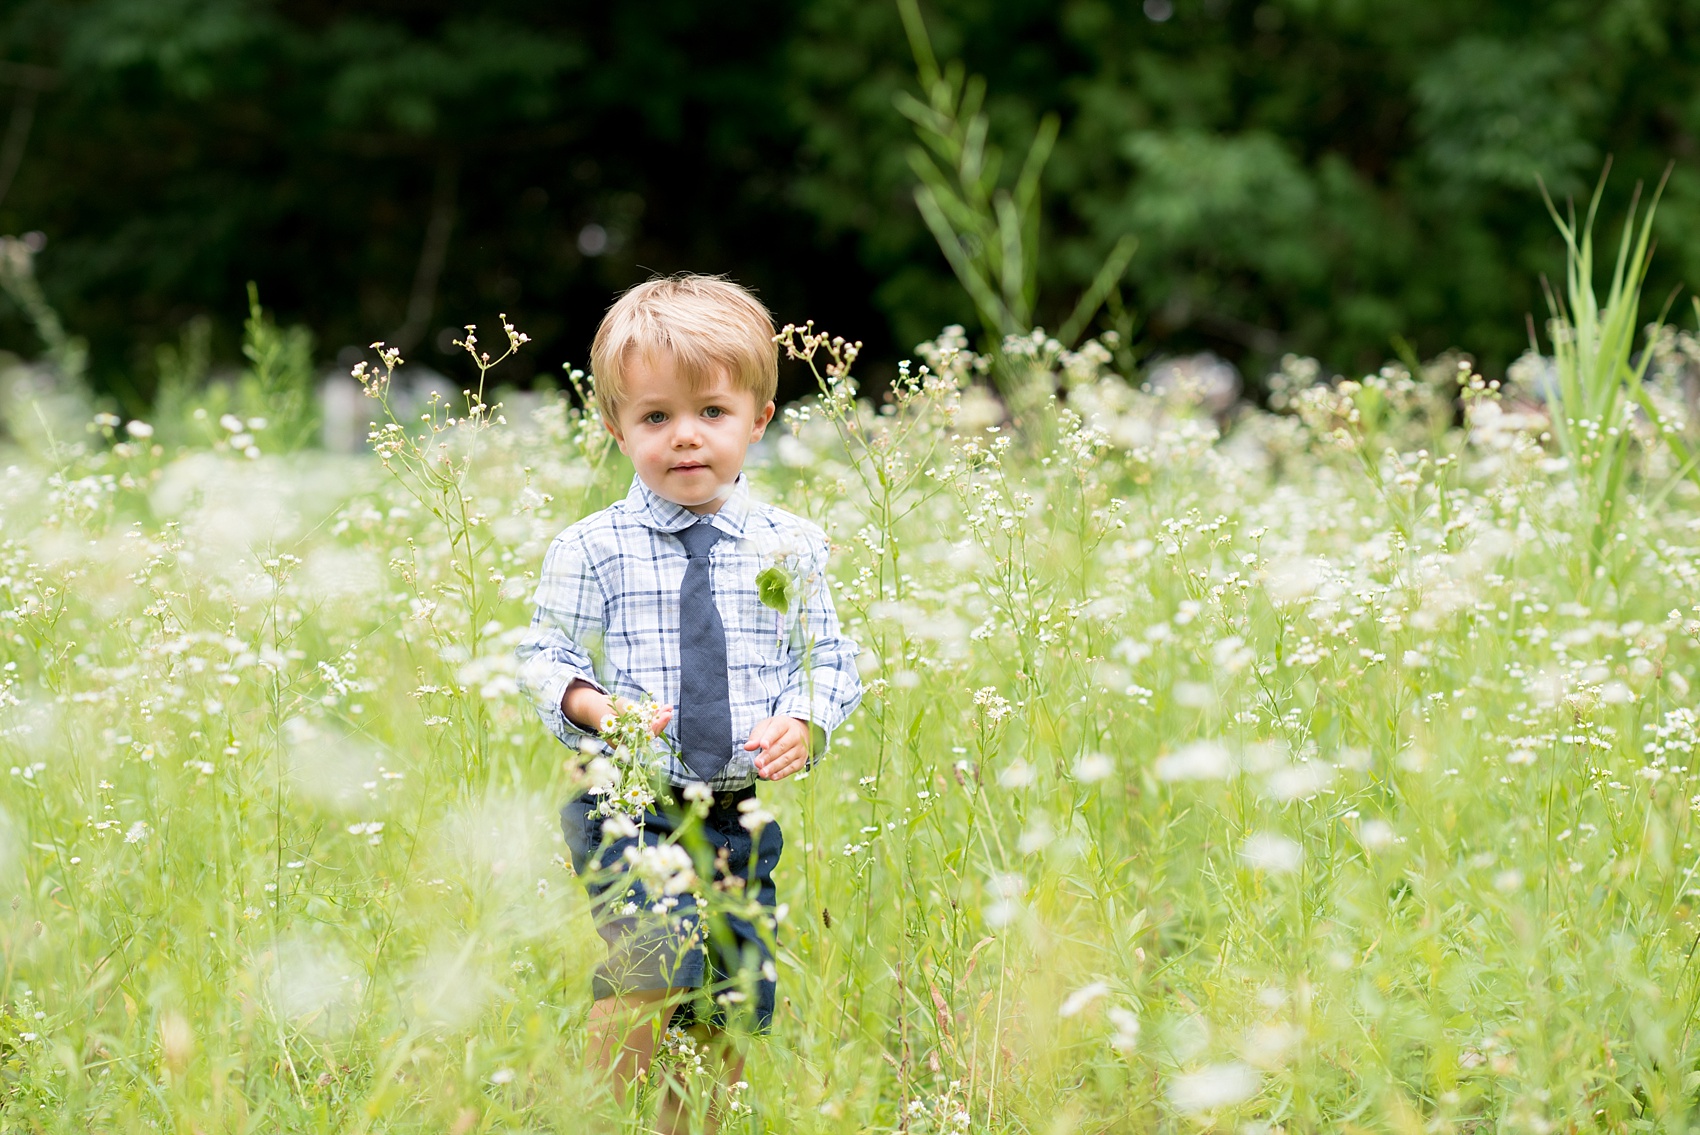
1201, 760
1271, 852
1219, 1085
1018, 774
1231, 654
1093, 767
1375, 835
993, 705
1269, 1045
603, 776
1037, 836
753, 817
619, 826
664, 868
1081, 998
1125, 1038
1006, 892
1298, 782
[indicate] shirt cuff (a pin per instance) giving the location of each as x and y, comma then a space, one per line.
820, 737
549, 694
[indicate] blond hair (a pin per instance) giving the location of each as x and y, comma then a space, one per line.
708, 324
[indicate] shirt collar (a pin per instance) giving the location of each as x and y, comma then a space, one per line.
663, 515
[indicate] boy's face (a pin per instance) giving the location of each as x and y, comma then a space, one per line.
688, 445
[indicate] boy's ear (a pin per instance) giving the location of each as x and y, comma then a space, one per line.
763, 416
619, 439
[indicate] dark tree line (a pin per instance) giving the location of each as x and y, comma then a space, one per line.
1311, 175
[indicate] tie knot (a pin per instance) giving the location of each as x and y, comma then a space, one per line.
699, 538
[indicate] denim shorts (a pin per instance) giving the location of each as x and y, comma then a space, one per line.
665, 941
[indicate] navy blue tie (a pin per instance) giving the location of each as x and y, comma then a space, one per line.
705, 705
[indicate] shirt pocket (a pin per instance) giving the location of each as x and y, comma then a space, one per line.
762, 634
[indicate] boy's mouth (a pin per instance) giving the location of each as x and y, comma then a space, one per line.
688, 466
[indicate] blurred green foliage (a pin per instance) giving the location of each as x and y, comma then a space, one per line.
1311, 175
1301, 175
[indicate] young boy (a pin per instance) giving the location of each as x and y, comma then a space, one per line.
657, 595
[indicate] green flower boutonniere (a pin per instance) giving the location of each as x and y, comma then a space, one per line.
773, 585
780, 587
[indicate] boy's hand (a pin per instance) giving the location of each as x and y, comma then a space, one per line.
784, 745
586, 706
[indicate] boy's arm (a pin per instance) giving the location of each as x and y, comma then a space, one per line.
554, 656
823, 687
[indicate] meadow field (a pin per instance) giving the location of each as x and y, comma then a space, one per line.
1325, 767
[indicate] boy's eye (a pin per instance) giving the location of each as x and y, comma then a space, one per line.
713, 412
655, 417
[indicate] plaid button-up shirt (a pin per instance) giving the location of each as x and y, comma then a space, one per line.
607, 613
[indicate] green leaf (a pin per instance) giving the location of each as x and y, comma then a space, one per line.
774, 587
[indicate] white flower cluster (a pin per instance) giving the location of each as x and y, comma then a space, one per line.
623, 780
665, 870
943, 1114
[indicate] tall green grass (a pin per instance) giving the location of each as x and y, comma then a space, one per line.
1598, 375
1261, 775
